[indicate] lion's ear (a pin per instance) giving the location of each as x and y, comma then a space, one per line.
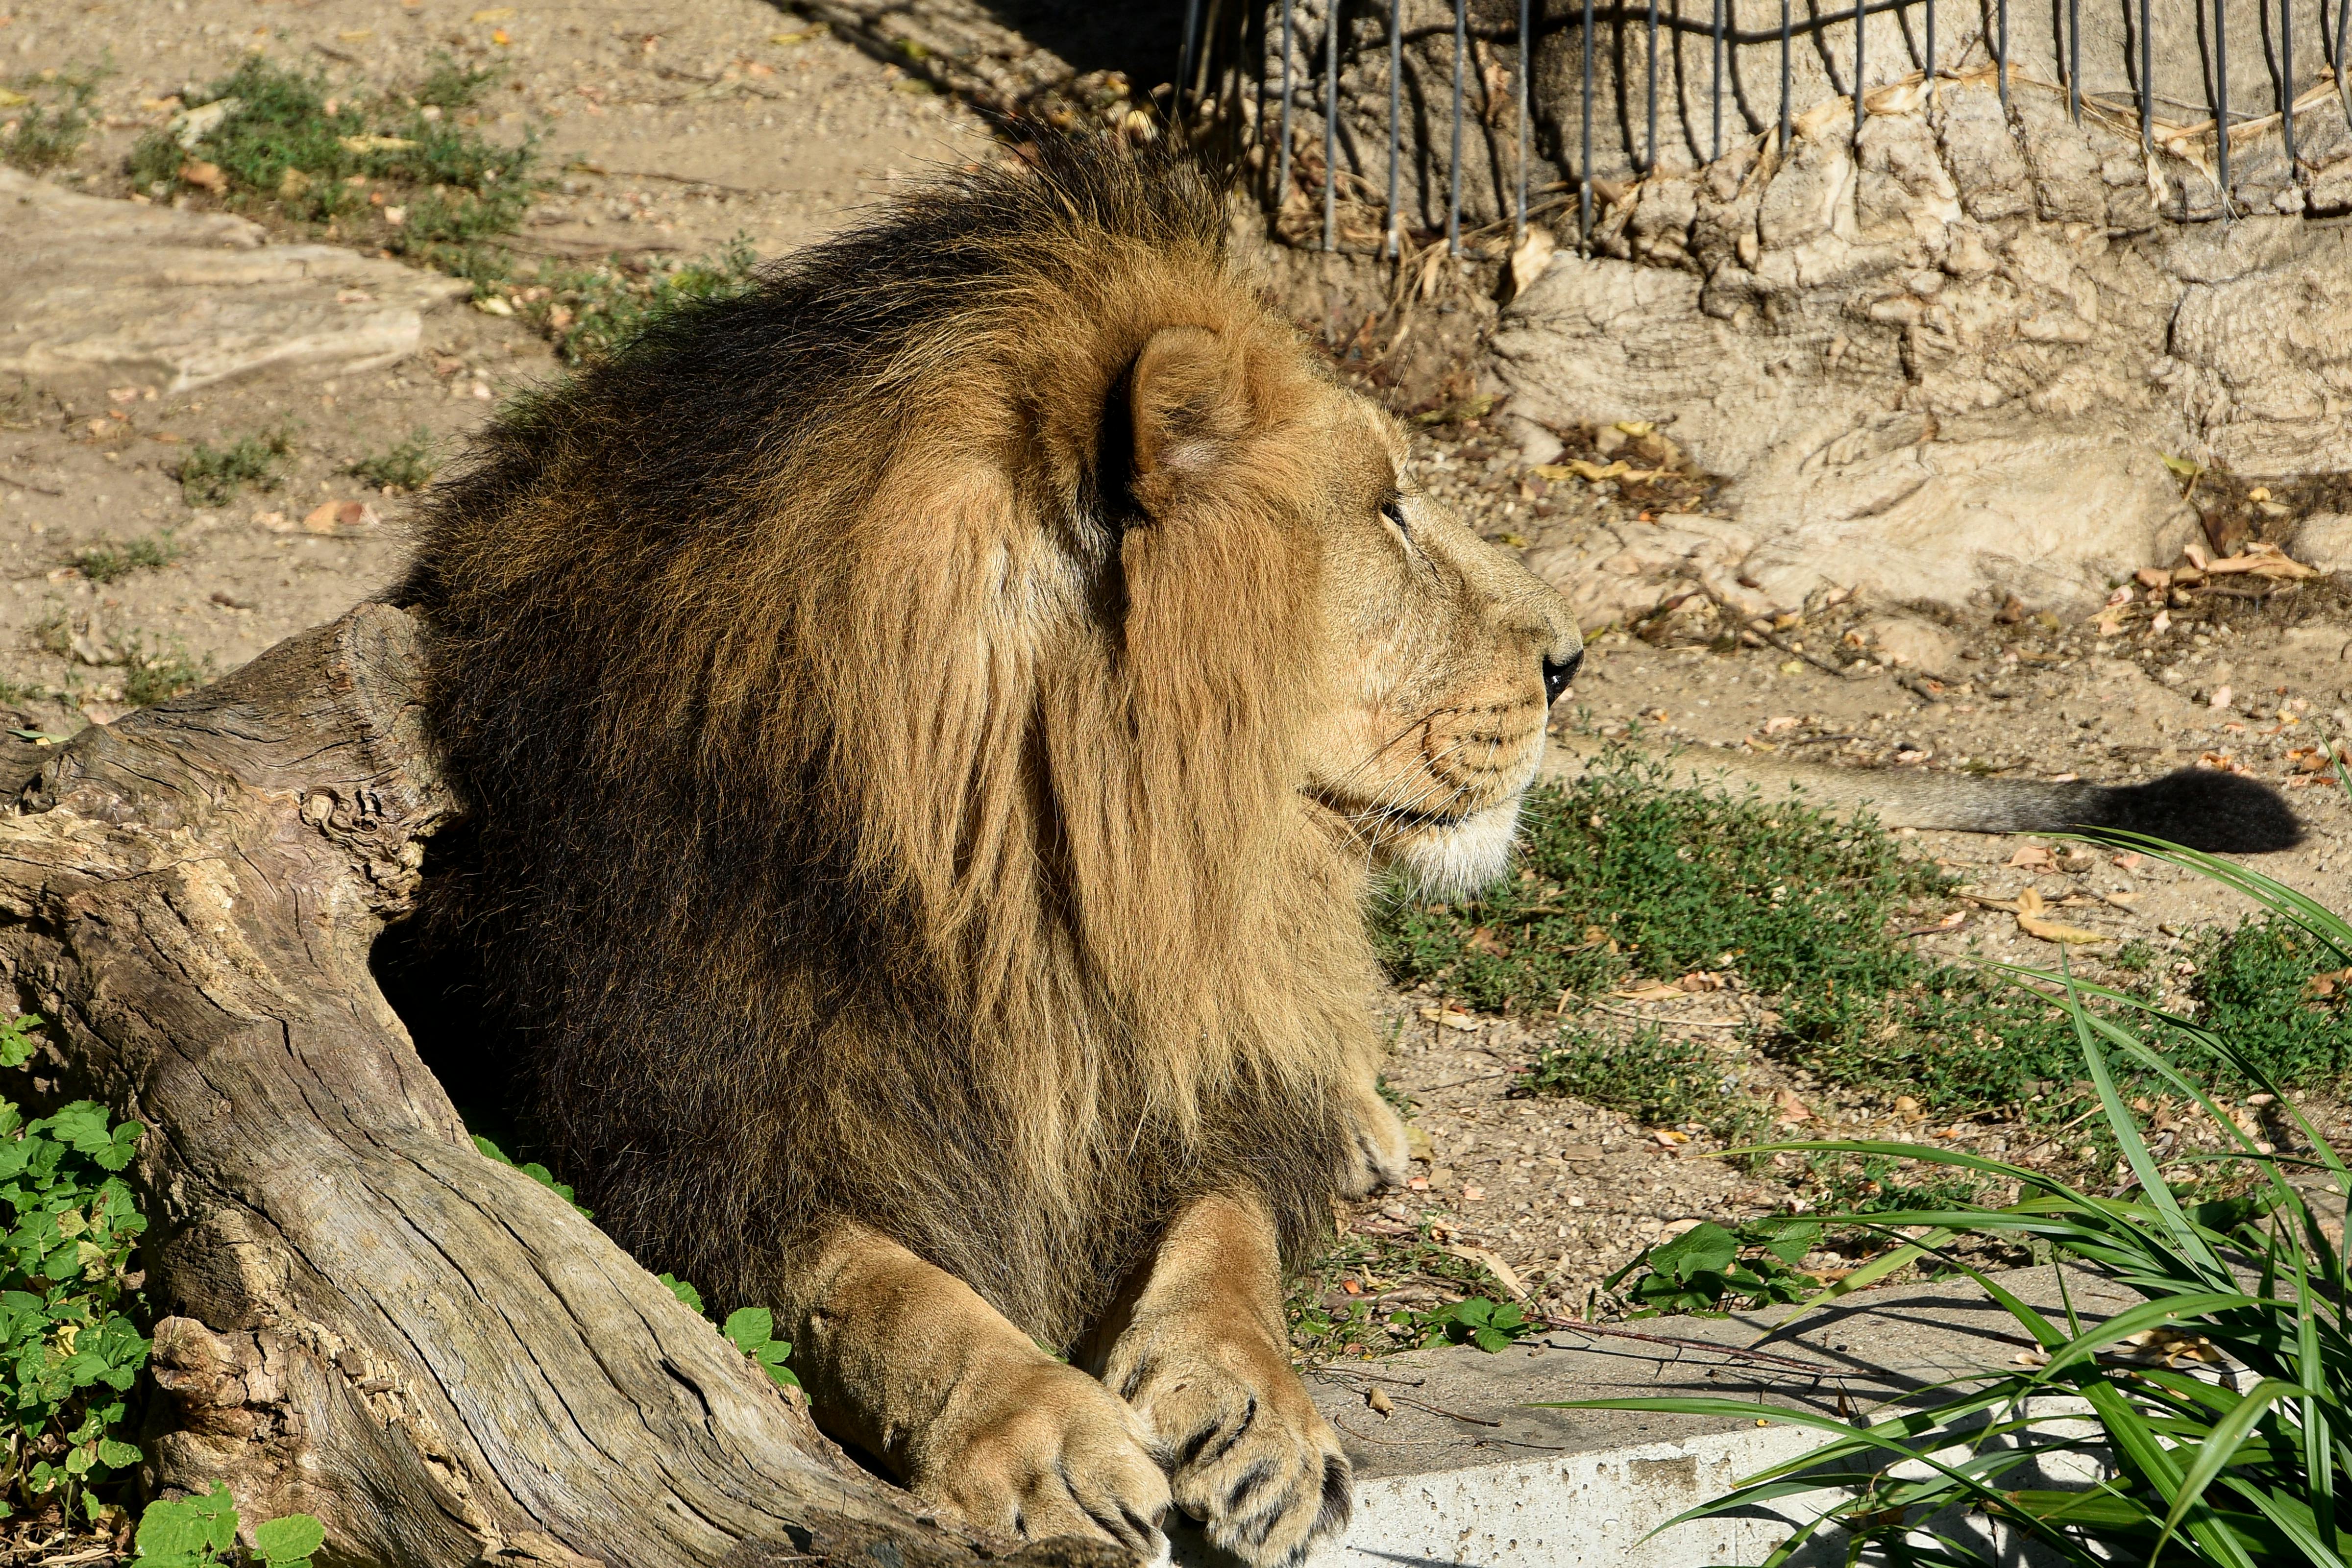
1188, 398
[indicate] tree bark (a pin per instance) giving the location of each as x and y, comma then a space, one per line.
368, 1320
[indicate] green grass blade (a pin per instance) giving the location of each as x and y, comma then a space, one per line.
2220, 1447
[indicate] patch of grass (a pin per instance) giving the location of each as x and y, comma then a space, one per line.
449, 85
410, 465
1328, 1321
1661, 1082
53, 632
157, 675
1622, 878
213, 476
112, 562
592, 313
49, 128
403, 171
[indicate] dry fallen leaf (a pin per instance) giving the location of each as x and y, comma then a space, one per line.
1417, 1145
1377, 1399
2034, 857
2168, 1347
1668, 1138
1700, 979
1533, 255
1791, 1110
1474, 1195
1491, 1262
1447, 1018
2030, 908
2263, 561
208, 177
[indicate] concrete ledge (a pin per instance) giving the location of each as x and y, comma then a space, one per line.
1462, 1471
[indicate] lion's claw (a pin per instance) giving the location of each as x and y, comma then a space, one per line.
1252, 1459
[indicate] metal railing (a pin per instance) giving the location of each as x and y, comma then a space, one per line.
1215, 74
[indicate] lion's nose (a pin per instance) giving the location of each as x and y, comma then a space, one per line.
1558, 673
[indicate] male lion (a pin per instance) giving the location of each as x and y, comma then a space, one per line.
928, 724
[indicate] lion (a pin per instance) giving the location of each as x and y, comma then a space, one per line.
927, 727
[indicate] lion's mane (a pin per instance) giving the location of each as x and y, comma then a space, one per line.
878, 813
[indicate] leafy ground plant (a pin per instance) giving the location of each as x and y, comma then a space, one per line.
2234, 1452
201, 1532
154, 674
45, 118
1710, 1268
212, 476
405, 171
69, 1348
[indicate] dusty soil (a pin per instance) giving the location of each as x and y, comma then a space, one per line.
671, 130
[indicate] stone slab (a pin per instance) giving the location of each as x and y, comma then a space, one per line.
1467, 1469
96, 293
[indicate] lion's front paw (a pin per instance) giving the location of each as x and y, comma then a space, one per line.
1048, 1451
1379, 1155
1254, 1459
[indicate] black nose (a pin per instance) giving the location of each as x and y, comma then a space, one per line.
1558, 673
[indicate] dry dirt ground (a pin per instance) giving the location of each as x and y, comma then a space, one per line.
672, 128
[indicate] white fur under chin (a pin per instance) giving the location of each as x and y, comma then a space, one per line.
1464, 858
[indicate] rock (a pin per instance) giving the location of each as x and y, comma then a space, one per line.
2324, 540
95, 292
1911, 643
1928, 370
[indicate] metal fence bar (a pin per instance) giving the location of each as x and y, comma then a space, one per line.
1584, 153
1784, 73
1717, 99
1396, 120
2286, 86
1527, 65
1860, 28
1281, 154
2000, 57
1650, 55
1331, 128
1198, 42
1453, 169
2221, 105
2074, 60
2343, 59
1184, 55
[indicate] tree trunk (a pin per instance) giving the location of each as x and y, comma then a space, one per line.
368, 1320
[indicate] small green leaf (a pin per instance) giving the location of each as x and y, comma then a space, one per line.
117, 1456
286, 1543
750, 1328
682, 1291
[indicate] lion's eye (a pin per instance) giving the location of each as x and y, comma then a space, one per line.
1393, 509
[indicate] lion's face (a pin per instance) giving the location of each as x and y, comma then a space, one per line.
1448, 654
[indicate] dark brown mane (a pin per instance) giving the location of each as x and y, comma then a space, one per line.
876, 817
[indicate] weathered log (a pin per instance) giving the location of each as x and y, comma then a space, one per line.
368, 1320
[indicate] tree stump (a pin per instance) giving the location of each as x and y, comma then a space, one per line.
367, 1319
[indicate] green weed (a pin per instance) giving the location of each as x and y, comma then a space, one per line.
1493, 1326
1623, 877
1710, 1268
410, 465
70, 1349
212, 477
592, 313
1329, 1320
201, 1532
414, 176
50, 129
153, 675
546, 1178
1661, 1082
111, 562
